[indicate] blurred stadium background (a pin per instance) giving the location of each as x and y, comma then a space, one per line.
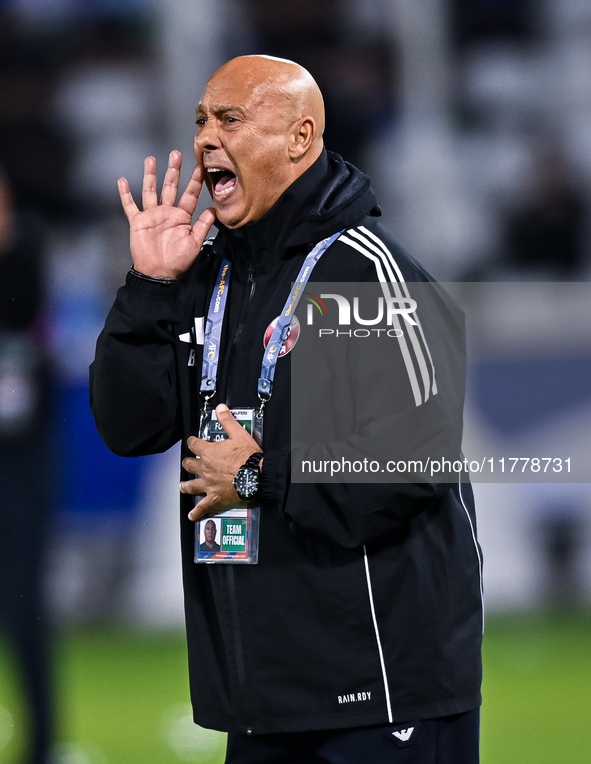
472, 118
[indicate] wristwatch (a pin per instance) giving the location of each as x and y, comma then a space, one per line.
247, 480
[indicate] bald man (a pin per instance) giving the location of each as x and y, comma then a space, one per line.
339, 622
209, 533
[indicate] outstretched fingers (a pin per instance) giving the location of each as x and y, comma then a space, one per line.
190, 197
170, 186
187, 202
149, 192
129, 206
202, 226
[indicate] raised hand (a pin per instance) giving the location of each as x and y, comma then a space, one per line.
163, 242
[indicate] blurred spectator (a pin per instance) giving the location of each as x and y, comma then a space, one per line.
77, 89
491, 19
25, 468
562, 543
560, 516
547, 230
32, 151
355, 71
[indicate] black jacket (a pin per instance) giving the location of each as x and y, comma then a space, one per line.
365, 605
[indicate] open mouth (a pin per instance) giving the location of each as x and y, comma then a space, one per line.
223, 182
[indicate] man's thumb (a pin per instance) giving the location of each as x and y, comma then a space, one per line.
226, 419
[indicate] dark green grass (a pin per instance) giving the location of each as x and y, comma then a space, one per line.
537, 690
122, 696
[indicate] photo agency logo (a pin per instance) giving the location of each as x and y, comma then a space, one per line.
387, 311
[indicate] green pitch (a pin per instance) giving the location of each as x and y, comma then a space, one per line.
123, 697
537, 690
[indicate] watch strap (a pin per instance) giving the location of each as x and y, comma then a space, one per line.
253, 460
251, 465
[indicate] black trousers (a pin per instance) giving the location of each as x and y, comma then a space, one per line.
449, 740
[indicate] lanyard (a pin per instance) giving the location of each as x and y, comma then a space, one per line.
215, 318
213, 332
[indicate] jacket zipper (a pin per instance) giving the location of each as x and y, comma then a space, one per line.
250, 289
235, 619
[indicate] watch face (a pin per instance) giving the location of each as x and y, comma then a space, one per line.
246, 483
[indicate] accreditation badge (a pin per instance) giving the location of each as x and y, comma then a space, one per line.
232, 536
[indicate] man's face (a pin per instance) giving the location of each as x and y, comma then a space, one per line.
209, 532
242, 142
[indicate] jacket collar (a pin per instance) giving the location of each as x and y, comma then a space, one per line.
330, 195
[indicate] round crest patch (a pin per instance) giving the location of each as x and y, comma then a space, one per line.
292, 335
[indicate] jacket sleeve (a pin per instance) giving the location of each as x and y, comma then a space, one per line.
377, 403
134, 393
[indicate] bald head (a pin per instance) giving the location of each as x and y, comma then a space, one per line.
259, 127
278, 82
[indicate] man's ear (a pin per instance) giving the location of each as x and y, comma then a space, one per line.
302, 137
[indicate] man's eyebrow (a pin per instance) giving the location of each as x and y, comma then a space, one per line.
220, 109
